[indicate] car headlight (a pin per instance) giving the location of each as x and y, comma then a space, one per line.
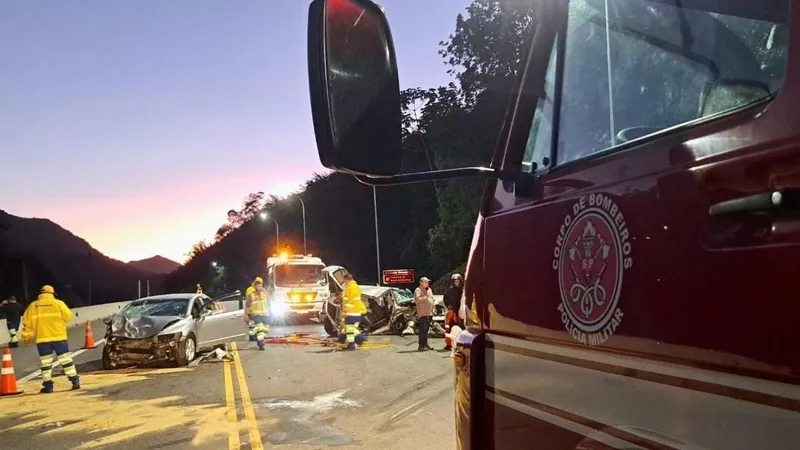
169, 337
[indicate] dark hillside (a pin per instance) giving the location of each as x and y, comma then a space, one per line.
37, 251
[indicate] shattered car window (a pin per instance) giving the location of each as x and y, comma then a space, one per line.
404, 296
156, 307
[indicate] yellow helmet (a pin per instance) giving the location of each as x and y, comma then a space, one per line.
47, 289
258, 280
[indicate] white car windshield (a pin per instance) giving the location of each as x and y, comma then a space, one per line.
156, 307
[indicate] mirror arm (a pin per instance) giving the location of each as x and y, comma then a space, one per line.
420, 177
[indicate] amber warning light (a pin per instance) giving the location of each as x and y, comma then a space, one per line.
398, 276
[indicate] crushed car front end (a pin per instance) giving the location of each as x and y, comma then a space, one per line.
143, 340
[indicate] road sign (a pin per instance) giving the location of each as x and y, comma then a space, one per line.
399, 276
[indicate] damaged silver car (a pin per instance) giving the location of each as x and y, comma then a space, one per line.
171, 328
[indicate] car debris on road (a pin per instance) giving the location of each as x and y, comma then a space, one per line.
306, 339
218, 353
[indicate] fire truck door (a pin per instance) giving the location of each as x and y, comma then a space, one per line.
662, 236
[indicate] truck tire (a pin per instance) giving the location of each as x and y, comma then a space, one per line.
187, 350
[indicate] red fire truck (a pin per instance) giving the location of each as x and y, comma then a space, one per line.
633, 274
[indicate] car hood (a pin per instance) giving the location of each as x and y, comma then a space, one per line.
140, 327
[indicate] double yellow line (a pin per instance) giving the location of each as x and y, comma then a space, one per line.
234, 442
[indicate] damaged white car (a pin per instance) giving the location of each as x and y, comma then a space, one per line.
389, 309
172, 327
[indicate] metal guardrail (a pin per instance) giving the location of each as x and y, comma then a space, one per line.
81, 314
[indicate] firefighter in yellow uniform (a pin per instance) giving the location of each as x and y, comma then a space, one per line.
251, 326
257, 312
46, 320
352, 310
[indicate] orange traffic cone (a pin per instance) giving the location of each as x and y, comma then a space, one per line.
8, 381
88, 341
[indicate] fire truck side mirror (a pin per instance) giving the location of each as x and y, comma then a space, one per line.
355, 93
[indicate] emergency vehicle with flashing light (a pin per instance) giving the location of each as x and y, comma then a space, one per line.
632, 278
296, 285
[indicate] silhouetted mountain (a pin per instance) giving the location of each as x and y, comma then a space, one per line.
34, 252
157, 265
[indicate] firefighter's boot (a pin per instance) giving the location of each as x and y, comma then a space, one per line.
76, 382
47, 387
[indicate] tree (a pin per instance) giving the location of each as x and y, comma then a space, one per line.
459, 125
252, 205
197, 249
485, 51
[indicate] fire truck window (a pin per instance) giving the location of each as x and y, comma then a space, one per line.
537, 149
653, 65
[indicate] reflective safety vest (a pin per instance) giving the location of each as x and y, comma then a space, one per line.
352, 303
46, 319
258, 304
247, 293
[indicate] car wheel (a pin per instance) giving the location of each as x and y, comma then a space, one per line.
399, 325
186, 351
330, 329
108, 363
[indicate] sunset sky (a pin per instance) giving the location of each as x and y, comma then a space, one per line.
138, 124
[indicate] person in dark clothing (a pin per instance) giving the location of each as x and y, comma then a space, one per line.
452, 300
13, 311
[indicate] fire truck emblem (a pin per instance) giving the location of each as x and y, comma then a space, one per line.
592, 252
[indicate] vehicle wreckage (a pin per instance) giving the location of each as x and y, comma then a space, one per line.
167, 328
389, 310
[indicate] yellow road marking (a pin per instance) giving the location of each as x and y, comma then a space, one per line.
249, 413
230, 401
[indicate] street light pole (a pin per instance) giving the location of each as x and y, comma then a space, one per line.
377, 240
303, 206
277, 234
265, 216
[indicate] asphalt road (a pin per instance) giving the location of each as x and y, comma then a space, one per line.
289, 396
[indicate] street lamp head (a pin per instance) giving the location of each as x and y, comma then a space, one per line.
263, 216
213, 264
